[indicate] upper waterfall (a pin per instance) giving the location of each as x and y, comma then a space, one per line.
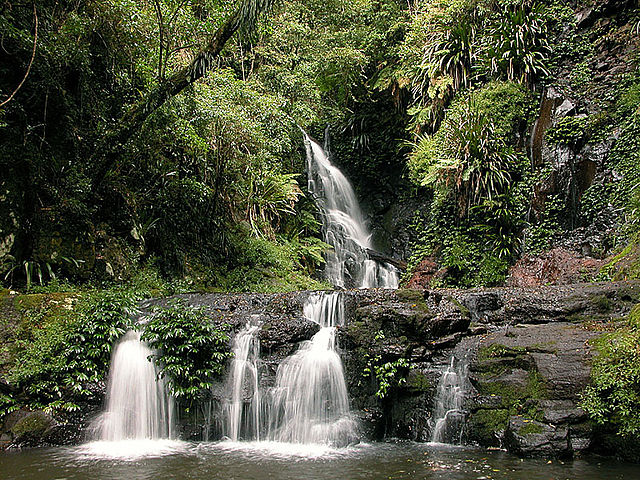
344, 226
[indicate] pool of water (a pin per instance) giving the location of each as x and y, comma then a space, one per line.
248, 461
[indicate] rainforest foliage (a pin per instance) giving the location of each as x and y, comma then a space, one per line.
164, 135
155, 147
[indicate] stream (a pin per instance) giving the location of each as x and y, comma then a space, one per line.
278, 461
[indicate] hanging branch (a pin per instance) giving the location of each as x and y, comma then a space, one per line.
33, 56
108, 149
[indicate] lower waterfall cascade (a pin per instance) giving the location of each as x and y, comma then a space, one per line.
449, 415
138, 406
309, 403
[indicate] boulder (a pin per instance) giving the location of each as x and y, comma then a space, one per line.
531, 438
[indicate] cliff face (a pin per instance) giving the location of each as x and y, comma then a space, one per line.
526, 351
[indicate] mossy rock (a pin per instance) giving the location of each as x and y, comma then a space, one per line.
461, 308
417, 380
485, 426
634, 316
601, 303
531, 428
32, 426
415, 298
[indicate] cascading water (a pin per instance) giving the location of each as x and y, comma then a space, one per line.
243, 419
309, 403
138, 406
344, 226
449, 413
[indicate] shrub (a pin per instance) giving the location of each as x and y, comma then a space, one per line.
61, 348
466, 158
518, 49
613, 398
189, 349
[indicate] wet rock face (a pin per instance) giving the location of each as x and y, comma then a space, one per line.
528, 349
527, 383
27, 429
531, 355
531, 438
560, 303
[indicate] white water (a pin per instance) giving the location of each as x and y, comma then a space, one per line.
309, 403
138, 419
344, 226
449, 413
242, 415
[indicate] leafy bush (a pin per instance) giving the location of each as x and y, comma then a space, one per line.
190, 350
455, 55
61, 348
466, 158
387, 375
518, 49
613, 398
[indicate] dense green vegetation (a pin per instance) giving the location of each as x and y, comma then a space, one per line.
613, 398
61, 346
119, 163
151, 148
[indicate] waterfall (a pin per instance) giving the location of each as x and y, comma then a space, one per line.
344, 226
309, 403
242, 411
449, 414
137, 404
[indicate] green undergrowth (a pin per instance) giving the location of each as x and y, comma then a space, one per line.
613, 397
62, 345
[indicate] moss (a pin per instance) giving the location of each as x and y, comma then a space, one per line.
624, 266
530, 428
601, 303
463, 310
419, 381
517, 399
484, 423
498, 350
35, 423
29, 302
410, 295
415, 298
634, 316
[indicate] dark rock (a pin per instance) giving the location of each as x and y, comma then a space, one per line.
530, 438
571, 415
478, 330
482, 302
31, 429
285, 334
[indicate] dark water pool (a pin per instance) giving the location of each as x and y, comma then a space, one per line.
230, 461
